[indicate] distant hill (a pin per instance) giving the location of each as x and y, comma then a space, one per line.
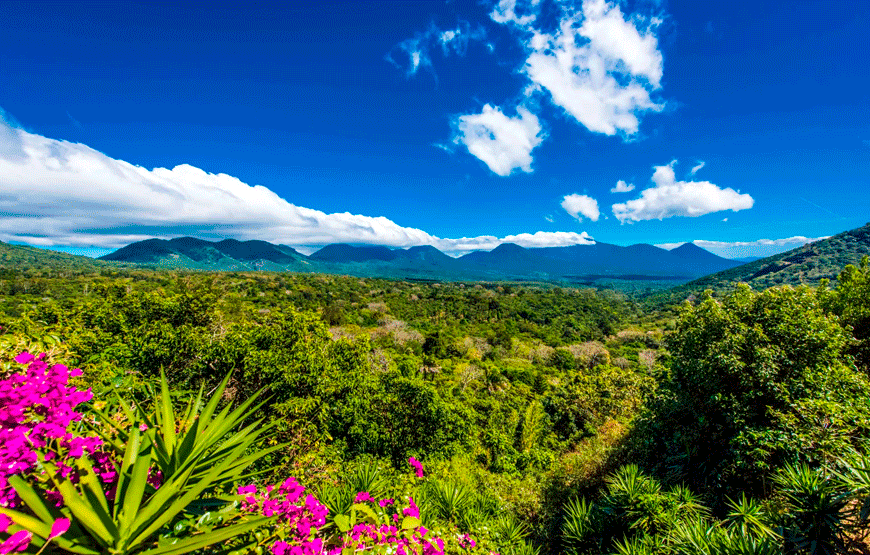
197, 254
578, 263
808, 264
638, 260
341, 253
20, 257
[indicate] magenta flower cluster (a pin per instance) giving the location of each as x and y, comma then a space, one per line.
300, 517
37, 408
418, 466
467, 542
396, 540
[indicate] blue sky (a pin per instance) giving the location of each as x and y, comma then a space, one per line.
742, 126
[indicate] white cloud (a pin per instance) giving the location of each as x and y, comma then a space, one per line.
696, 169
57, 193
414, 54
502, 143
669, 198
528, 240
742, 249
600, 67
581, 205
622, 187
549, 218
506, 12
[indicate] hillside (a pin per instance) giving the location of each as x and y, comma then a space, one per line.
197, 254
804, 265
20, 257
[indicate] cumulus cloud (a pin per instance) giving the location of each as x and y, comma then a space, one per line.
742, 249
696, 169
414, 54
622, 187
57, 193
599, 66
669, 197
580, 206
501, 142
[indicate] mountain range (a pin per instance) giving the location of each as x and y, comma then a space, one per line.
506, 262
688, 267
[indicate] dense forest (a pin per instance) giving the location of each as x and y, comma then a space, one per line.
299, 413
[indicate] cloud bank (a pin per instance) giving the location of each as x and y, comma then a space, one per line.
580, 206
57, 193
669, 198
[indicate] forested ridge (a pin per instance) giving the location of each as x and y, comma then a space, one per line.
387, 415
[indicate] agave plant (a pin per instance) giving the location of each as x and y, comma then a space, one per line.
638, 545
340, 498
449, 500
816, 500
700, 537
748, 518
856, 477
510, 531
523, 548
199, 453
483, 507
578, 525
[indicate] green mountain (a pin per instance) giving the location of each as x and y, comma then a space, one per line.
804, 265
197, 254
20, 257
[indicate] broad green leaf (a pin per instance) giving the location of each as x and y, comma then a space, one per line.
343, 522
32, 499
203, 540
365, 509
131, 455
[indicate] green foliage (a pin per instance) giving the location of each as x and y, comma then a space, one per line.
851, 302
757, 380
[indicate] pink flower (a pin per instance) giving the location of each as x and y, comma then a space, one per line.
59, 527
412, 510
24, 358
417, 465
16, 542
386, 502
363, 496
143, 426
5, 521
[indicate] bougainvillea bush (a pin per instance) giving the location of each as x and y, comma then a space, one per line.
124, 479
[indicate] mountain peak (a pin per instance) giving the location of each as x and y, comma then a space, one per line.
509, 248
693, 251
342, 252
